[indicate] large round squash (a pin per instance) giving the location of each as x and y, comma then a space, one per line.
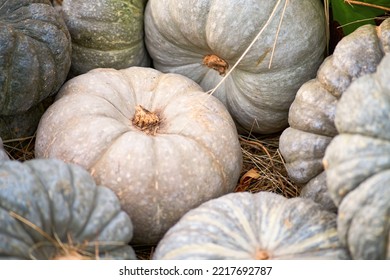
105, 33
357, 165
204, 39
35, 54
312, 113
253, 226
53, 210
161, 143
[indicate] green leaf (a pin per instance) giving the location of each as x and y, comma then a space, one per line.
351, 16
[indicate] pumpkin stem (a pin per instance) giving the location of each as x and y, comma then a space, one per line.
145, 120
215, 62
262, 255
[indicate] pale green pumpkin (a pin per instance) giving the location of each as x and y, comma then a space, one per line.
204, 39
105, 33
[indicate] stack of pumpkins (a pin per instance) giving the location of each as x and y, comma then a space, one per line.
139, 144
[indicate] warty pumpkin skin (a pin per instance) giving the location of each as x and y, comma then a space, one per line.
48, 196
204, 39
357, 165
35, 54
105, 33
176, 150
253, 226
311, 115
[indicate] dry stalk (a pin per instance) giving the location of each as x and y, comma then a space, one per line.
360, 3
64, 251
21, 149
211, 92
263, 168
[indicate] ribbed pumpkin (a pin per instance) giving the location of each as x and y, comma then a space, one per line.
34, 54
105, 33
53, 210
253, 226
161, 143
357, 165
311, 115
35, 57
204, 39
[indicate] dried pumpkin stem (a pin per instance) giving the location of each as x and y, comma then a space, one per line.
215, 62
145, 120
262, 255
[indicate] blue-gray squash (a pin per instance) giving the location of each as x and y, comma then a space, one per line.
53, 210
204, 39
259, 226
357, 165
160, 142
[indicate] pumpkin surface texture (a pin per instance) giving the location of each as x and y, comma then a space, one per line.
35, 54
3, 153
105, 33
47, 205
311, 115
204, 39
259, 225
357, 165
161, 143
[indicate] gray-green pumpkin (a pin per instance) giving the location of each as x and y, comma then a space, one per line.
161, 143
253, 226
357, 165
35, 51
105, 33
47, 206
311, 115
204, 39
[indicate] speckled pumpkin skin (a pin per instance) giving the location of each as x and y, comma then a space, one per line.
357, 165
35, 54
105, 33
63, 201
257, 97
253, 226
311, 115
194, 156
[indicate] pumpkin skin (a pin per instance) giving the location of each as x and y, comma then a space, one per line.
311, 115
191, 156
3, 153
357, 165
253, 226
35, 54
258, 98
63, 201
23, 124
105, 33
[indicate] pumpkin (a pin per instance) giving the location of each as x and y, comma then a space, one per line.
53, 210
357, 165
257, 96
23, 124
311, 115
34, 55
259, 225
105, 33
161, 143
3, 153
